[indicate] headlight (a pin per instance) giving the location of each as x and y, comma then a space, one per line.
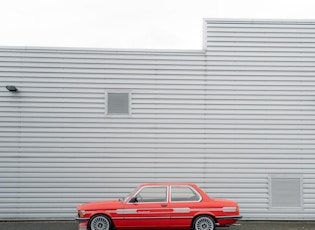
81, 213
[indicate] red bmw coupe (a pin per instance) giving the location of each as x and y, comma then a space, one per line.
159, 206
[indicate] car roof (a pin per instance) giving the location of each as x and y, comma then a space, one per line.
167, 184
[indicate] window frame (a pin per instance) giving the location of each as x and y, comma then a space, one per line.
185, 201
118, 91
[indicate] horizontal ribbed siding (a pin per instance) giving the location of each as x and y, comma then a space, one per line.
58, 149
227, 118
264, 72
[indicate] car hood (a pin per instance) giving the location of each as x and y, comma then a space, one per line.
110, 204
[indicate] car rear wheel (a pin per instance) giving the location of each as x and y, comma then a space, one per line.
204, 223
100, 222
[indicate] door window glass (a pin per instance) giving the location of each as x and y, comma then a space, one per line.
152, 194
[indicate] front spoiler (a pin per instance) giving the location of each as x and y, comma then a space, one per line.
81, 220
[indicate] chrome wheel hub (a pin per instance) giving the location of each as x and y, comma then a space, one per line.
100, 223
204, 223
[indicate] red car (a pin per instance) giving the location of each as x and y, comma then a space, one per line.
160, 206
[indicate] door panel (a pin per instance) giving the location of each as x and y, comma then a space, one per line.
149, 208
149, 215
184, 202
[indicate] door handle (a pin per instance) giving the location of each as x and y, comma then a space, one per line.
164, 205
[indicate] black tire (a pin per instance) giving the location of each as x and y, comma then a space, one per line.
100, 222
203, 222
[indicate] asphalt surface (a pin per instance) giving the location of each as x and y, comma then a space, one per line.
244, 225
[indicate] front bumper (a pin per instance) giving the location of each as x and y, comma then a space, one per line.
83, 223
81, 220
82, 227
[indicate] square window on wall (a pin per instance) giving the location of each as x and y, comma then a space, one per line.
286, 191
118, 103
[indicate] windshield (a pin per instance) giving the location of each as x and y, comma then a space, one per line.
124, 199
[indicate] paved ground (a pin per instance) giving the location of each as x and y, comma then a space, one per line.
244, 225
273, 225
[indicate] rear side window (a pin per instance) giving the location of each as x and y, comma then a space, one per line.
184, 194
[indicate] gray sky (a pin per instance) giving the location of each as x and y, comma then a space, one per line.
132, 24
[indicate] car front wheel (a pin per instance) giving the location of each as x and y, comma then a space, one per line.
100, 222
204, 223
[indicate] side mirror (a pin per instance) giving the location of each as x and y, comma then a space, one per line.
133, 200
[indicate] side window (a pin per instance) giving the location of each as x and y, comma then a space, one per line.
118, 103
184, 194
152, 194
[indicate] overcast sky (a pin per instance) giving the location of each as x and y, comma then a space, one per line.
132, 24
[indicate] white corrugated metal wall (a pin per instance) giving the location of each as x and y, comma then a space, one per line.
59, 149
261, 98
229, 118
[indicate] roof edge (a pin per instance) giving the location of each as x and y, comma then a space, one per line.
95, 50
259, 21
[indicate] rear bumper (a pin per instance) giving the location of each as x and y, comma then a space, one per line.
229, 217
227, 220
